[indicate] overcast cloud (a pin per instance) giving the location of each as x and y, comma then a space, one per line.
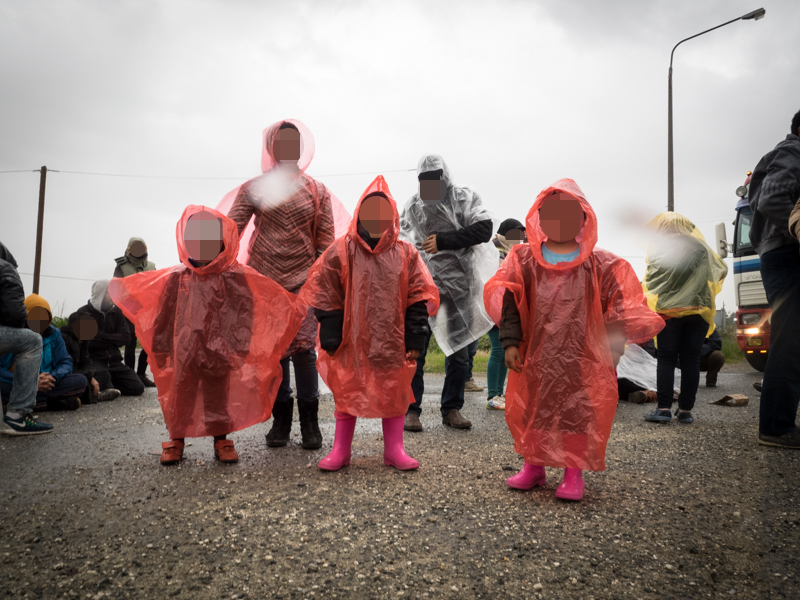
514, 95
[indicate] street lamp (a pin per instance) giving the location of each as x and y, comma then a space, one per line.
755, 15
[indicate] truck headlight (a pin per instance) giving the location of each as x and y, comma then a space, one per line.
751, 319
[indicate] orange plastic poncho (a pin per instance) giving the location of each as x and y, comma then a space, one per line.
561, 406
214, 335
369, 374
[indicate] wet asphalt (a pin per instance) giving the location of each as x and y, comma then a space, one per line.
682, 511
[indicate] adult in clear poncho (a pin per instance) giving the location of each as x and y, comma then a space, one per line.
451, 229
683, 277
286, 220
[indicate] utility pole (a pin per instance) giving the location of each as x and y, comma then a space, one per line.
39, 227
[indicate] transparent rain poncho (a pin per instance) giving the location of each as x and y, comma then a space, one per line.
214, 336
459, 274
368, 374
684, 275
561, 407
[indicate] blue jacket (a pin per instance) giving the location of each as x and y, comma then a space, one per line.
55, 358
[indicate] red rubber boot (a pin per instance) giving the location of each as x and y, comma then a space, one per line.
572, 486
342, 441
394, 454
529, 477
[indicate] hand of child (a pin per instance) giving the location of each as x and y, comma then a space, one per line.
412, 354
513, 359
429, 245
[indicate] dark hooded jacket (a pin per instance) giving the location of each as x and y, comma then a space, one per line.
774, 189
12, 295
113, 329
78, 350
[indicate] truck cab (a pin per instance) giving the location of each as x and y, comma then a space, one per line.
753, 314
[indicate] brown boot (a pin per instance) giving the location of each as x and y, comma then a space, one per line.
412, 422
454, 419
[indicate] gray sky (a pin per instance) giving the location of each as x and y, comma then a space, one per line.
514, 95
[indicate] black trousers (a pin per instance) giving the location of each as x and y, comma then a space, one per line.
682, 337
305, 377
130, 354
117, 375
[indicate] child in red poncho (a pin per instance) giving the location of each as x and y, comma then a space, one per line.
372, 295
565, 310
215, 331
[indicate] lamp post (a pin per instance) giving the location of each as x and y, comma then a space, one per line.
755, 15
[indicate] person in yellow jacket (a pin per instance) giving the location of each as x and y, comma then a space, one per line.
683, 277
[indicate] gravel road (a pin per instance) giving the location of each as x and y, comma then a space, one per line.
683, 511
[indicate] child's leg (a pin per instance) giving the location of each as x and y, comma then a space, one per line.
529, 477
342, 441
496, 367
572, 486
394, 454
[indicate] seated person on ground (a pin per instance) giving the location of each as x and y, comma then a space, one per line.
59, 387
77, 334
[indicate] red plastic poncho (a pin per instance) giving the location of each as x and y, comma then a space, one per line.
368, 374
561, 407
341, 218
214, 336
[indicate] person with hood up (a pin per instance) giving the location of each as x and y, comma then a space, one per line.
683, 277
510, 233
26, 345
77, 333
286, 220
565, 310
112, 331
59, 388
372, 295
135, 261
215, 331
774, 199
451, 228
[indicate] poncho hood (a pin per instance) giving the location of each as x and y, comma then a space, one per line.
230, 239
35, 300
434, 162
268, 160
136, 261
389, 237
587, 238
99, 289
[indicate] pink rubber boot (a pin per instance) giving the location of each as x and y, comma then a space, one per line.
342, 441
572, 486
394, 454
529, 477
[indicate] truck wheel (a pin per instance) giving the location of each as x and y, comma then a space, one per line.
757, 361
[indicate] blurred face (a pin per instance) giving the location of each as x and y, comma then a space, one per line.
203, 237
286, 145
561, 217
38, 319
432, 191
515, 236
138, 249
85, 328
376, 215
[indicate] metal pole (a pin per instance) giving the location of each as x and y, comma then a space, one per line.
39, 228
670, 172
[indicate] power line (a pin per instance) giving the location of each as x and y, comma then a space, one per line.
134, 176
58, 277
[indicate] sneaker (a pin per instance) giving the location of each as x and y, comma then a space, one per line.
148, 383
659, 416
471, 386
25, 425
787, 440
757, 386
684, 416
643, 397
496, 403
109, 394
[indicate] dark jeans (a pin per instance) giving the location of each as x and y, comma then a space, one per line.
306, 377
456, 369
780, 391
473, 350
68, 386
130, 354
117, 375
711, 365
681, 337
